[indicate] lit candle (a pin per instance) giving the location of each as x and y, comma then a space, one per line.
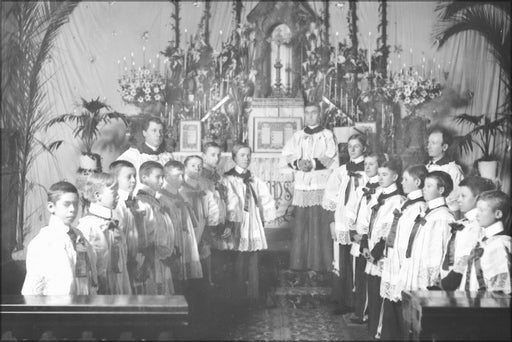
131, 54
158, 61
346, 103
185, 40
439, 72
118, 68
410, 50
124, 61
143, 56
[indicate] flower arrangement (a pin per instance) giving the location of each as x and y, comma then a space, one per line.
412, 89
142, 87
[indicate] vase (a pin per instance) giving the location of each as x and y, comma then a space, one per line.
488, 169
405, 110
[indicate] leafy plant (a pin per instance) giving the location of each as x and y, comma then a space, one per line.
482, 134
29, 29
87, 121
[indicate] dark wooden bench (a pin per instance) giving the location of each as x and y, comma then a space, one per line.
456, 315
105, 316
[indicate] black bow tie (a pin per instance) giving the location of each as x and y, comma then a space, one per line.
353, 167
382, 197
456, 226
130, 202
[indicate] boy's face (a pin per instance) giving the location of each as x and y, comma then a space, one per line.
127, 179
243, 157
431, 190
466, 199
155, 179
371, 166
65, 208
193, 168
212, 156
486, 215
386, 177
435, 146
355, 149
409, 183
154, 135
108, 197
174, 177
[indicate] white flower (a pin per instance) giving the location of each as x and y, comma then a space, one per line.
147, 90
157, 97
407, 100
133, 92
162, 86
140, 99
147, 98
146, 72
156, 89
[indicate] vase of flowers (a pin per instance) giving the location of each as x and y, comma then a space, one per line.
142, 87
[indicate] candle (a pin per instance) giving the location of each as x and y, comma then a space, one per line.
185, 40
410, 50
439, 72
383, 116
131, 54
341, 97
346, 103
352, 105
118, 68
158, 61
144, 56
369, 53
171, 117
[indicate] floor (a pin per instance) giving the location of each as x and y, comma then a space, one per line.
277, 316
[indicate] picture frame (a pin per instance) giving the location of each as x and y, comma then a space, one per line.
190, 136
272, 133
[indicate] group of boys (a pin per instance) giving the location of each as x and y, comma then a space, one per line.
150, 236
404, 235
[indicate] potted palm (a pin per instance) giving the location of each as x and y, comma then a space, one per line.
87, 120
483, 133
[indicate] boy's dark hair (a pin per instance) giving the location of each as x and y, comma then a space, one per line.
477, 184
443, 179
360, 137
174, 164
395, 164
97, 181
313, 104
147, 167
148, 120
237, 148
380, 157
189, 158
209, 144
447, 136
418, 172
498, 201
117, 165
58, 189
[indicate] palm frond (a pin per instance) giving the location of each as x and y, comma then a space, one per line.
450, 9
468, 119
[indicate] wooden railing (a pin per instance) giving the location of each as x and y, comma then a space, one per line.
99, 317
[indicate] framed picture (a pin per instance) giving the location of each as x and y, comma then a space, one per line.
190, 136
271, 134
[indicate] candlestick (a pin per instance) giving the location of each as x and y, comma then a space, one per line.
118, 68
185, 40
131, 54
158, 61
171, 117
439, 72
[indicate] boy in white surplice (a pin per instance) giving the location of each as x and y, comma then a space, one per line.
250, 204
53, 267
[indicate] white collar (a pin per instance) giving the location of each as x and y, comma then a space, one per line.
374, 179
415, 194
493, 229
436, 202
357, 160
392, 187
57, 225
438, 159
240, 170
313, 127
101, 211
151, 147
123, 195
471, 215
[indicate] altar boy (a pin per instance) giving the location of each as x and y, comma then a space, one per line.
156, 240
52, 264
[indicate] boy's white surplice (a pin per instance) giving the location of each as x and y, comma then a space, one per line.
495, 261
249, 232
422, 268
396, 255
51, 261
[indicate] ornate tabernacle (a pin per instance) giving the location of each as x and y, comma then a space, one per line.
280, 26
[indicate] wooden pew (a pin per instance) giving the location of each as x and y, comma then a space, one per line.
106, 316
455, 315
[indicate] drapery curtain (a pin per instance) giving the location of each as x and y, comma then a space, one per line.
84, 64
